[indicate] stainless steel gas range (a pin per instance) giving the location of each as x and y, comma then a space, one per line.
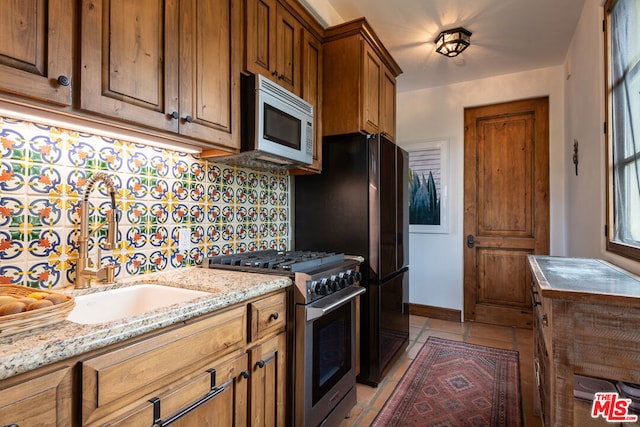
323, 341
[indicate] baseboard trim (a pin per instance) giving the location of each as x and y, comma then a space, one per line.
435, 312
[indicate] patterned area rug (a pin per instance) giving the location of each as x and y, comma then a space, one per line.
452, 383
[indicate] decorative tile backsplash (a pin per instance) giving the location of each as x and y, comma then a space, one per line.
159, 191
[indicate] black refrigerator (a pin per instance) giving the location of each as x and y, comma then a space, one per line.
358, 205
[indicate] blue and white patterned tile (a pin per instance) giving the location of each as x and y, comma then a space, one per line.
13, 245
44, 274
13, 145
44, 149
13, 210
13, 175
13, 274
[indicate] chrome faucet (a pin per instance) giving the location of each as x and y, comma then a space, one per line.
86, 273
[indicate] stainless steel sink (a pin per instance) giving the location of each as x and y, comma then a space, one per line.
120, 303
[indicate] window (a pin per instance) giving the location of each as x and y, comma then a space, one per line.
623, 109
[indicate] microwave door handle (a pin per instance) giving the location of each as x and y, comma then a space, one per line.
331, 302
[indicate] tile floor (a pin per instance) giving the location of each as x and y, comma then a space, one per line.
371, 399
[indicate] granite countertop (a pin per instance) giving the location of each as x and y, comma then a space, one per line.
584, 279
23, 352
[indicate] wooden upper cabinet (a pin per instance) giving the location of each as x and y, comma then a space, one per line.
36, 49
171, 65
311, 67
372, 71
388, 104
364, 101
273, 40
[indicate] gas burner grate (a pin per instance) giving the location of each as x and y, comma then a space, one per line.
269, 260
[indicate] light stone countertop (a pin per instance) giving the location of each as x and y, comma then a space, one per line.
585, 280
30, 350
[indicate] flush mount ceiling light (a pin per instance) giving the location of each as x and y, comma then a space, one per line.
452, 42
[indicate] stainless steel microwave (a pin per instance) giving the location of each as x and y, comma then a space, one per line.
276, 127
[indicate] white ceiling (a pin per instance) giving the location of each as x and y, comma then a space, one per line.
508, 35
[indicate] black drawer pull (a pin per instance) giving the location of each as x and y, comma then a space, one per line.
534, 302
244, 374
260, 363
274, 316
158, 422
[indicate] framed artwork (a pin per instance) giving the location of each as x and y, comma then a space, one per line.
428, 181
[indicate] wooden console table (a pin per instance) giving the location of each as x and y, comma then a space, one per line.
586, 322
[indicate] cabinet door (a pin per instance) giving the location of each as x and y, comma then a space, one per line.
372, 71
44, 400
311, 91
268, 382
388, 105
129, 54
260, 36
288, 41
210, 70
36, 48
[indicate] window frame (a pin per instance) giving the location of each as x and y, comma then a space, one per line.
616, 247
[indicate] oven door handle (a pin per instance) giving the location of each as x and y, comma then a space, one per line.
333, 301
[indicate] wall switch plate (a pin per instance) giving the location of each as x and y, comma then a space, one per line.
184, 239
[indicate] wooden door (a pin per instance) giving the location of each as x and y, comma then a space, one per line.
260, 33
506, 207
210, 71
288, 50
388, 105
268, 365
372, 69
129, 54
36, 49
311, 67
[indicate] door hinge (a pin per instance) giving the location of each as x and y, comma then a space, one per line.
603, 25
606, 230
604, 128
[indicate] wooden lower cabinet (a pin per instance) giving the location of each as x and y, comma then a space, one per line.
268, 379
227, 368
39, 400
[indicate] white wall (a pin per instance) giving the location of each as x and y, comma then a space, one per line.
436, 260
585, 115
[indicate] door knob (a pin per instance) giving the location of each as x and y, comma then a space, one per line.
470, 241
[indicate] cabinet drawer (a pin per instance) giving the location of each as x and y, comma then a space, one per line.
228, 376
122, 376
43, 401
268, 316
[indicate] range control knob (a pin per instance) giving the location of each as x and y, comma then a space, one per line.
334, 283
322, 288
345, 279
313, 287
357, 276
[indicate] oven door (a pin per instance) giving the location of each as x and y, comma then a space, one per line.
325, 355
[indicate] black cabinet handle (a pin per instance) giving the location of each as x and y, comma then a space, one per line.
260, 363
274, 316
244, 374
188, 119
63, 81
213, 392
274, 73
534, 302
281, 76
174, 115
